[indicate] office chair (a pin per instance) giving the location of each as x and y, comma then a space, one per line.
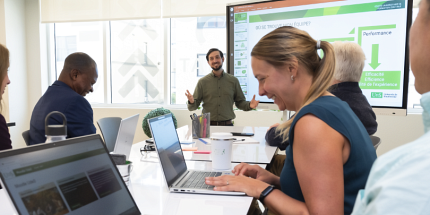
26, 136
109, 126
376, 141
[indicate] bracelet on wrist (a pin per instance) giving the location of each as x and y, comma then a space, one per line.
266, 192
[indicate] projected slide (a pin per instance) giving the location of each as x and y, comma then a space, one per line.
379, 27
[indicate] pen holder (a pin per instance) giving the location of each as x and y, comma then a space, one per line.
201, 126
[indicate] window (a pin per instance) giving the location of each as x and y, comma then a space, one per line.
137, 61
65, 46
131, 57
211, 22
191, 38
81, 37
202, 66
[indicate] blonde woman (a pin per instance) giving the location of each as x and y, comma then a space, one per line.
330, 153
5, 142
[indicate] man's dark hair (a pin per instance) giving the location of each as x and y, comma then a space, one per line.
215, 49
79, 61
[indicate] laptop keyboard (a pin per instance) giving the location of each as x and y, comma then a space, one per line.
197, 180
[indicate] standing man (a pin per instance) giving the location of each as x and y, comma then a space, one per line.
218, 91
66, 95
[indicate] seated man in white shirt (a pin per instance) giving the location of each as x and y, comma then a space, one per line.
399, 182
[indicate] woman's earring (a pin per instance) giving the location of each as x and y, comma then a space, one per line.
292, 77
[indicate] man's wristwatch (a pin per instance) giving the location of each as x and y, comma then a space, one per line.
265, 193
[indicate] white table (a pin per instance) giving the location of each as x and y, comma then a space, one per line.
152, 196
149, 190
5, 203
260, 153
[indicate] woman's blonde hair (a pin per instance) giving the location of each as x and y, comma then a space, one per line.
285, 45
4, 65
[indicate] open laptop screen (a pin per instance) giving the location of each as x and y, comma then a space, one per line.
125, 137
168, 147
74, 176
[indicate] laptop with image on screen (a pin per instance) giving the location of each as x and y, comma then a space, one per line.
124, 139
73, 176
178, 177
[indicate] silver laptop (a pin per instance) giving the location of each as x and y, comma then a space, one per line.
124, 139
178, 177
73, 176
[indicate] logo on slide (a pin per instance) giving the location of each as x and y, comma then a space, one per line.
376, 95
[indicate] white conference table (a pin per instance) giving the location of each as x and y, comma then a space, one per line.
256, 153
149, 190
152, 196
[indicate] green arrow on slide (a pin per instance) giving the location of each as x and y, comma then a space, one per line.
375, 55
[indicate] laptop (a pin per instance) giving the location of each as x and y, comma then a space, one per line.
124, 139
178, 177
73, 176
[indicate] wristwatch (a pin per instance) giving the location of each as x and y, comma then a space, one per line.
266, 192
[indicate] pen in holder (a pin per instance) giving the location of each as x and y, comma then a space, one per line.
201, 126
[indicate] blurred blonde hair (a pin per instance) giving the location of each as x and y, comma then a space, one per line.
286, 44
349, 61
4, 65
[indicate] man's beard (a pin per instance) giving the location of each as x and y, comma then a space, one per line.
217, 68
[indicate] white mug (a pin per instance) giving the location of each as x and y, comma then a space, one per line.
222, 146
124, 171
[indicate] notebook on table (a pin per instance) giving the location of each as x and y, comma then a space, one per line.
124, 139
73, 176
178, 177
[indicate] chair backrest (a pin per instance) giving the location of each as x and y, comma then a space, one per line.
376, 141
26, 136
109, 127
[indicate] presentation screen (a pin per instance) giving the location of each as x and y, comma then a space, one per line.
379, 27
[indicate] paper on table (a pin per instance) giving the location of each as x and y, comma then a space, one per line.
246, 140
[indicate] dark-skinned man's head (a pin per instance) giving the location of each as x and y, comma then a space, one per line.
79, 73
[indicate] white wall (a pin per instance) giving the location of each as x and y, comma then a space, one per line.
35, 69
16, 43
20, 30
395, 131
5, 97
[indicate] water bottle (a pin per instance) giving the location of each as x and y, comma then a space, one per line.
55, 132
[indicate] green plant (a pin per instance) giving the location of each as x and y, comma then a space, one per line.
155, 113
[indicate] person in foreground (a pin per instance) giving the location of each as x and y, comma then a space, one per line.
350, 60
399, 180
5, 142
330, 153
218, 91
66, 95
